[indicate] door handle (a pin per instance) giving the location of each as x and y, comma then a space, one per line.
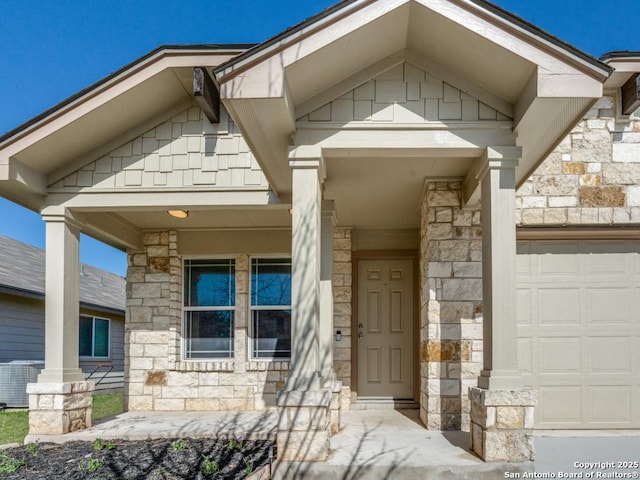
360, 335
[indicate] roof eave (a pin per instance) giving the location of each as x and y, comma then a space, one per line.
123, 72
590, 64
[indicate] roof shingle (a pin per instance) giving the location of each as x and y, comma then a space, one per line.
22, 268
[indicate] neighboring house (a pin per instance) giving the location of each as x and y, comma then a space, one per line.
22, 310
331, 217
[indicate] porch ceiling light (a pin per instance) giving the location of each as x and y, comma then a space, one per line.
178, 213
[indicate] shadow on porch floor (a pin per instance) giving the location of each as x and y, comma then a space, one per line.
143, 425
393, 444
372, 444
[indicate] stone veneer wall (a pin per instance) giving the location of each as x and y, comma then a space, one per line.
592, 177
156, 378
450, 306
342, 295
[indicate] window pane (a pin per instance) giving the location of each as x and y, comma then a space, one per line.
86, 335
272, 333
271, 282
209, 283
101, 346
209, 334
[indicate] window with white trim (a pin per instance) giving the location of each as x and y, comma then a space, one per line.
94, 336
270, 307
209, 306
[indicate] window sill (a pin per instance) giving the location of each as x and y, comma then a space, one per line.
204, 366
264, 365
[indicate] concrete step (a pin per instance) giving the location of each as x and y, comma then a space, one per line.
384, 404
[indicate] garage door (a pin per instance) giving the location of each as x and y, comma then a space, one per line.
579, 331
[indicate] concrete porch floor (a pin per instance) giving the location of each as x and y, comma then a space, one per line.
373, 444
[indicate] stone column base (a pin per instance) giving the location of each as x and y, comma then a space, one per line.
502, 423
335, 407
58, 408
304, 425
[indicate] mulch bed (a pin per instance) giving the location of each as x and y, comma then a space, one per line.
147, 459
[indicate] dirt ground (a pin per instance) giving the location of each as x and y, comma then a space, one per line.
149, 459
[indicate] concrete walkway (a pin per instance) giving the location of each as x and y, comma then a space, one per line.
144, 425
376, 445
393, 444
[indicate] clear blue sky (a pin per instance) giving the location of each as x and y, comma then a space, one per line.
49, 50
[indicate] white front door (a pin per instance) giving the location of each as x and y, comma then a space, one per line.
385, 328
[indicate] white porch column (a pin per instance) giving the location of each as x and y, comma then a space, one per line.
61, 400
307, 175
497, 180
62, 301
501, 411
304, 405
326, 293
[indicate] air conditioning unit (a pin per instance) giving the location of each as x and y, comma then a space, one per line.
14, 377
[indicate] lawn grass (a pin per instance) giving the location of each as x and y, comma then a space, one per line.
105, 405
14, 425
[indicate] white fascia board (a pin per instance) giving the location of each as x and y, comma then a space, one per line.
302, 43
12, 170
157, 200
544, 85
113, 230
373, 137
563, 85
513, 37
286, 40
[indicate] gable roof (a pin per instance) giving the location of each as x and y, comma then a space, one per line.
543, 84
22, 272
123, 70
101, 117
490, 7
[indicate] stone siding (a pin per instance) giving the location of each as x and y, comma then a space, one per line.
184, 152
502, 424
156, 377
450, 306
342, 295
591, 178
58, 408
404, 94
